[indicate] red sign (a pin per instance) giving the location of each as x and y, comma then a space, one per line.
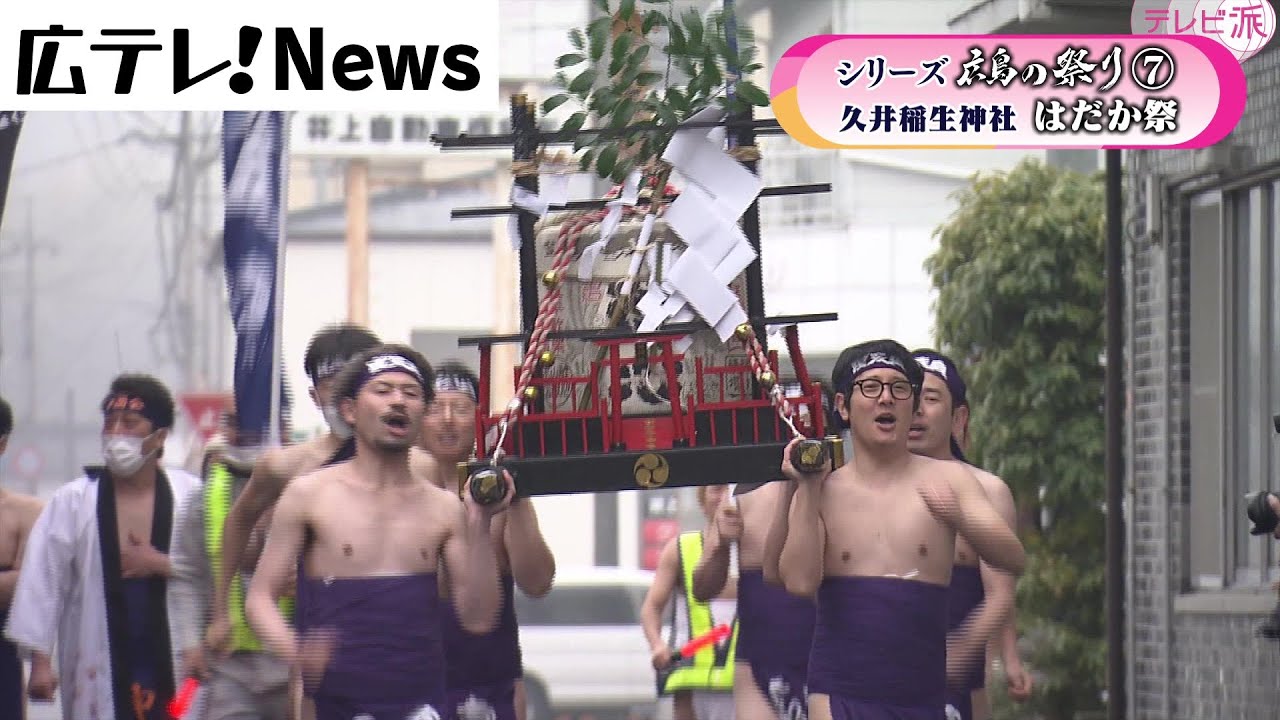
204, 410
655, 533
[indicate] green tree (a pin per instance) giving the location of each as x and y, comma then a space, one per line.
1019, 272
702, 60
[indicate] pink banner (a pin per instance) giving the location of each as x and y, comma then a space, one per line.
1023, 91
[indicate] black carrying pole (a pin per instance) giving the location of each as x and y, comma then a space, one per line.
524, 129
1115, 402
746, 137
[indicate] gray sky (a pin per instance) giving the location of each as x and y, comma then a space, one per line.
87, 186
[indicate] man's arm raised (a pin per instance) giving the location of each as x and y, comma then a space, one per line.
777, 535
532, 564
956, 497
804, 551
275, 573
712, 572
968, 646
472, 561
264, 488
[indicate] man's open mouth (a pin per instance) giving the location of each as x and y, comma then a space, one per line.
886, 420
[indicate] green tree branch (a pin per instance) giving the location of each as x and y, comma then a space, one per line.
1019, 274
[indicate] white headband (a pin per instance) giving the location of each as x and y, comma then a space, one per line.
933, 365
386, 363
456, 383
328, 368
874, 360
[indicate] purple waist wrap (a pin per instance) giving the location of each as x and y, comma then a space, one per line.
881, 640
774, 626
483, 659
388, 648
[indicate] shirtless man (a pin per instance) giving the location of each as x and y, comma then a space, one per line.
371, 534
874, 542
328, 351
17, 514
982, 600
485, 671
775, 627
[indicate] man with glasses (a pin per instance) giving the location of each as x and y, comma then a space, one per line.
874, 542
484, 672
982, 600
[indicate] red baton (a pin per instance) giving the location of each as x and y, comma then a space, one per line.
181, 702
710, 637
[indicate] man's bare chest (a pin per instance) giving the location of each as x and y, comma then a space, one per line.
134, 517
378, 539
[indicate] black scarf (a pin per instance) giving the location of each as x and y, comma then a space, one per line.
113, 591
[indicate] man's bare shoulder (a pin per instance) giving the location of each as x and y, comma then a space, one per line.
19, 507
767, 493
444, 498
998, 492
953, 471
311, 482
20, 502
993, 484
424, 465
844, 473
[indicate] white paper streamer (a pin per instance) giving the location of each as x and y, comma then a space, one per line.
705, 216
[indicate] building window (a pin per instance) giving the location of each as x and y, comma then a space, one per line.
447, 127
785, 162
1204, 226
1235, 380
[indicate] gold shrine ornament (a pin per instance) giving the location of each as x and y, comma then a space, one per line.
651, 471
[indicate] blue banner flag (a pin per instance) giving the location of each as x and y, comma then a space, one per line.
253, 167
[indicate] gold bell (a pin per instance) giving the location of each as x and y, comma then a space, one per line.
550, 278
530, 393
767, 379
547, 358
744, 331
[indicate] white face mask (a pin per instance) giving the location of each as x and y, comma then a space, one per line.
339, 426
123, 454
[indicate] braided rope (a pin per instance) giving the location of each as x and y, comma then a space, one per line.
548, 312
759, 366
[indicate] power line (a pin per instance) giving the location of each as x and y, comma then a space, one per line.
60, 159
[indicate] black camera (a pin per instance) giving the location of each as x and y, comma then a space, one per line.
1264, 521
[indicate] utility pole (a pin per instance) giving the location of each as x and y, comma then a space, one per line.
357, 241
30, 310
186, 337
192, 337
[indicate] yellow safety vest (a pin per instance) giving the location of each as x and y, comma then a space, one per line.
710, 670
217, 503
